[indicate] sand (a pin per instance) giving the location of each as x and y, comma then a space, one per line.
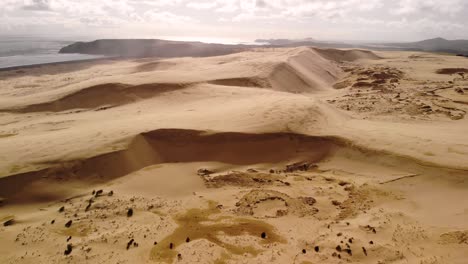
285, 155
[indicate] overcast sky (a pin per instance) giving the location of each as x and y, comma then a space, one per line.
361, 20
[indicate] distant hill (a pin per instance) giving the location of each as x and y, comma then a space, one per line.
169, 48
435, 45
432, 45
151, 48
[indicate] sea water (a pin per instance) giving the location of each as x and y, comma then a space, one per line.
24, 51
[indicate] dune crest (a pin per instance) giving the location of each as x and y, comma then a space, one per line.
347, 55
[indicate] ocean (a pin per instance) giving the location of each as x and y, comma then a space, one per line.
24, 51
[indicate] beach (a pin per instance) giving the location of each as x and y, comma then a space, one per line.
269, 155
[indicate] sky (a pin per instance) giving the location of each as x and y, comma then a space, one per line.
237, 20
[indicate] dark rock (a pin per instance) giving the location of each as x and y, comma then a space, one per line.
69, 249
371, 229
171, 245
204, 172
338, 248
304, 251
110, 193
98, 193
9, 222
52, 222
69, 238
336, 203
343, 183
299, 166
130, 212
61, 209
364, 250
187, 240
317, 248
130, 243
68, 224
263, 235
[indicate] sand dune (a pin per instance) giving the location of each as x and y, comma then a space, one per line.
305, 72
102, 95
302, 70
174, 146
347, 55
284, 155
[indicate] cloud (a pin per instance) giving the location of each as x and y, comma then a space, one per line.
446, 7
156, 3
227, 6
36, 5
255, 17
202, 5
166, 17
98, 21
297, 9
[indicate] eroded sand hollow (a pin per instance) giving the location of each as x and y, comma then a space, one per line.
283, 156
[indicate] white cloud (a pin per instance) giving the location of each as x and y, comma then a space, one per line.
166, 17
228, 6
202, 5
36, 5
156, 3
446, 7
273, 17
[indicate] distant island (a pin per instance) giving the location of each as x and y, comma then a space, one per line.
151, 48
168, 48
436, 45
432, 45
